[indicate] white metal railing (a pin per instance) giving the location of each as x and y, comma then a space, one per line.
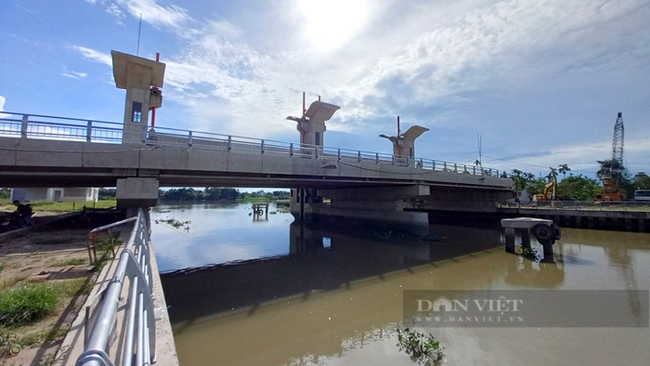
139, 336
22, 125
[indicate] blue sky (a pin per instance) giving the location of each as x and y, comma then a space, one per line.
540, 80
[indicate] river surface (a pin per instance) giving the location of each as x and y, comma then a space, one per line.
247, 292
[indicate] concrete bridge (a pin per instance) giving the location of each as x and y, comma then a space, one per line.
41, 151
138, 158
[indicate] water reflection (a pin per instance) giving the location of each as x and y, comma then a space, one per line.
310, 267
332, 296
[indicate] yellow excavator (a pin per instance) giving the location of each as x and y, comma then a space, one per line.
549, 191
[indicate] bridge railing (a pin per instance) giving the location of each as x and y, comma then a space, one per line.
63, 128
138, 340
75, 129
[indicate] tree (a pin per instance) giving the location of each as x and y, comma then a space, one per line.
611, 168
578, 187
517, 177
617, 172
552, 174
563, 169
536, 186
641, 181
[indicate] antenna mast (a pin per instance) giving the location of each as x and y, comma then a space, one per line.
618, 141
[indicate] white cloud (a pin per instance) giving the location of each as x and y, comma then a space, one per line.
74, 74
96, 56
376, 75
2, 107
406, 58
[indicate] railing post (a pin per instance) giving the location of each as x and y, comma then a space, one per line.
291, 149
377, 158
89, 131
392, 159
339, 155
421, 164
474, 170
455, 168
262, 147
23, 127
189, 139
407, 161
316, 152
433, 165
229, 143
359, 156
144, 134
465, 169
444, 165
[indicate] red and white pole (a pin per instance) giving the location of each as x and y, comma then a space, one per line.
153, 109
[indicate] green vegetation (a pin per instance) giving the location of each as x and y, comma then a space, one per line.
5, 193
69, 262
105, 249
44, 336
185, 225
9, 344
642, 181
220, 194
27, 304
421, 347
264, 196
106, 194
579, 187
52, 206
529, 252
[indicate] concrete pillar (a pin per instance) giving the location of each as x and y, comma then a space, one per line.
525, 238
382, 206
134, 193
510, 240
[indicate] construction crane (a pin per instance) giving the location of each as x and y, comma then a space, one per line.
611, 192
619, 140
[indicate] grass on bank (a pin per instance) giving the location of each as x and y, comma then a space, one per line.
52, 206
27, 303
23, 305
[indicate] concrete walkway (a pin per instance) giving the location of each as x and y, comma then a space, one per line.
73, 344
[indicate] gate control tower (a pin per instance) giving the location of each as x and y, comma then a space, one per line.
142, 79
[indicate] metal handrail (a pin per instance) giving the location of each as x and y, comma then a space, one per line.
139, 336
108, 132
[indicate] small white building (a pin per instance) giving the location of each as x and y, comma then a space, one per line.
55, 194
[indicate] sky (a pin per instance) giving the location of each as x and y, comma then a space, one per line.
541, 81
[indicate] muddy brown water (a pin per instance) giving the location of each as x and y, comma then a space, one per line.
274, 293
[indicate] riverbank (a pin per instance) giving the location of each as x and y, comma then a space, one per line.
45, 277
46, 208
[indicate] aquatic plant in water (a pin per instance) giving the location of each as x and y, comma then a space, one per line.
176, 224
423, 348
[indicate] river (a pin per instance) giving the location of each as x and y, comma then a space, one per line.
246, 292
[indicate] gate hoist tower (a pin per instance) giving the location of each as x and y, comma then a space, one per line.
142, 79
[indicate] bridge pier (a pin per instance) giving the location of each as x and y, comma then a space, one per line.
381, 206
135, 193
